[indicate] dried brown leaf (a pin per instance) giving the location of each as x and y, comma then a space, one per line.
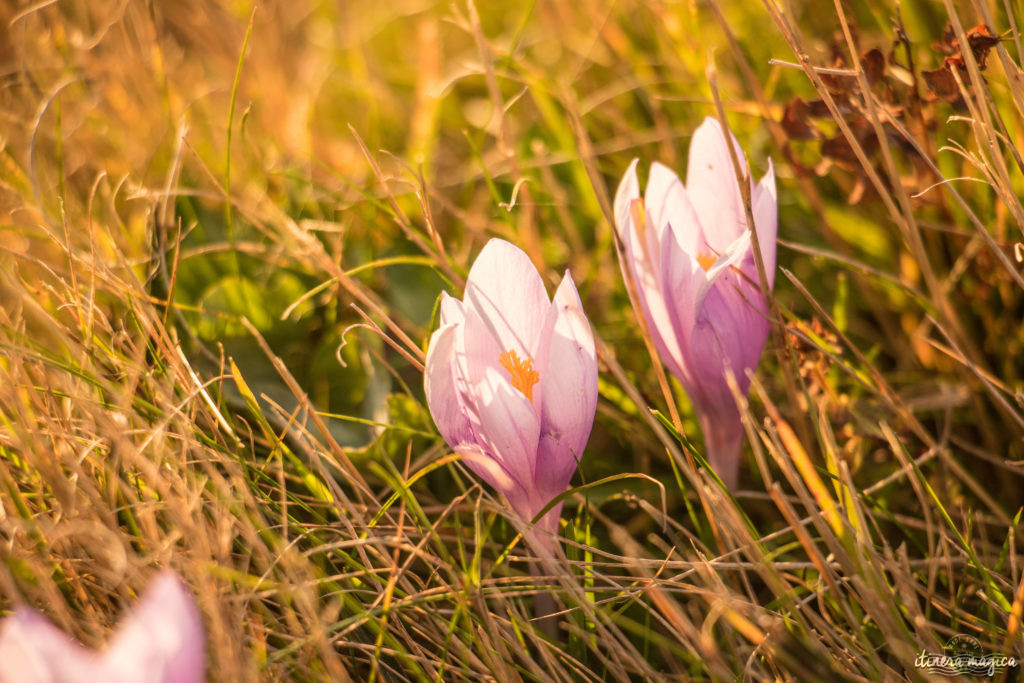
942, 83
795, 120
873, 62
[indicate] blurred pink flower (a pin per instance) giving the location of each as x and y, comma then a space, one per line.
511, 381
160, 641
691, 258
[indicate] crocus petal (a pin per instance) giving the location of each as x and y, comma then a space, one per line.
508, 426
489, 469
443, 396
731, 329
628, 190
507, 292
712, 187
765, 207
733, 257
162, 638
710, 350
505, 421
33, 650
638, 265
670, 209
451, 310
721, 342
683, 276
569, 383
738, 311
445, 388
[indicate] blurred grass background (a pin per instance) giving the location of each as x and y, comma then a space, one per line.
225, 228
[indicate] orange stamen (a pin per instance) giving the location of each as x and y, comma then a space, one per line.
523, 376
706, 260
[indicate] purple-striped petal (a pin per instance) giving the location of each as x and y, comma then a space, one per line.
451, 310
735, 255
712, 187
446, 387
639, 266
721, 342
569, 383
731, 329
444, 397
488, 468
505, 421
506, 291
508, 426
683, 276
670, 208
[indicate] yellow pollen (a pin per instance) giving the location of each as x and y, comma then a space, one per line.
523, 376
706, 260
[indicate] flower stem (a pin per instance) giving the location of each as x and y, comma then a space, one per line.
723, 442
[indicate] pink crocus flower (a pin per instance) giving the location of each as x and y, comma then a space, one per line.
160, 641
690, 254
511, 381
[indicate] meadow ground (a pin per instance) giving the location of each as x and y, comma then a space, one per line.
224, 231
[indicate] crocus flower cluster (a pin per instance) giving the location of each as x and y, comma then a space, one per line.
690, 254
161, 641
511, 377
511, 381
